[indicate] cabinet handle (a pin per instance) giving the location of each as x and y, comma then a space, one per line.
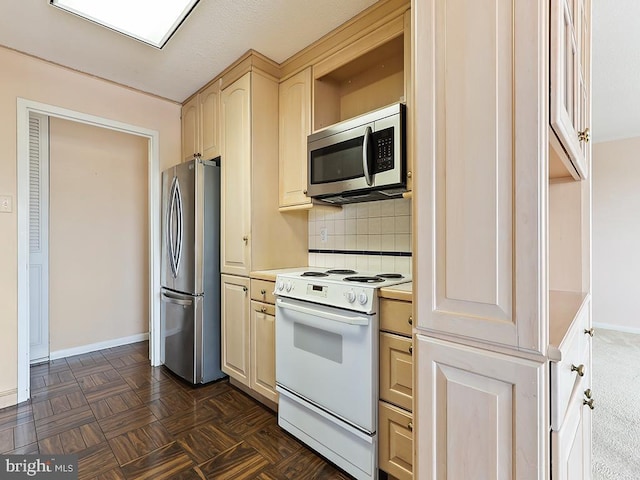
410, 320
584, 135
589, 331
579, 369
263, 309
410, 426
263, 292
587, 393
589, 403
245, 239
411, 349
244, 289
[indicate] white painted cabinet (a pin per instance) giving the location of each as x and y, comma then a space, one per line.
570, 92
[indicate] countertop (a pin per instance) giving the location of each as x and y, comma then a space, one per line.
270, 275
404, 291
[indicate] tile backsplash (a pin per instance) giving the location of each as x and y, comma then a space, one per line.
373, 236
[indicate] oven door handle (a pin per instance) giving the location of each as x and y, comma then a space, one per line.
358, 320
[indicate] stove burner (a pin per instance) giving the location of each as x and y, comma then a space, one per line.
339, 271
314, 274
364, 279
393, 276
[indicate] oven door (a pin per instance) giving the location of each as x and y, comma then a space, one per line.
328, 356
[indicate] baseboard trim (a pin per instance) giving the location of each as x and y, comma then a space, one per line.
617, 328
8, 398
116, 342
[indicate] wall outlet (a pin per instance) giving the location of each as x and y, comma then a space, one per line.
6, 204
323, 234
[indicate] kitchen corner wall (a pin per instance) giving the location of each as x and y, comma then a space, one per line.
371, 236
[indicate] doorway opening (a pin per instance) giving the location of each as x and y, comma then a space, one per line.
25, 110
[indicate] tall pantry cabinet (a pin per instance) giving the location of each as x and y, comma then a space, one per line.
502, 264
254, 234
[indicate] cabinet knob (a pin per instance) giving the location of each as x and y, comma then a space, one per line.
411, 349
304, 192
245, 238
587, 393
410, 426
263, 309
410, 320
584, 135
244, 289
579, 369
263, 292
589, 403
589, 331
409, 174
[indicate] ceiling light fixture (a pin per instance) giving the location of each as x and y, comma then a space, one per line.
150, 21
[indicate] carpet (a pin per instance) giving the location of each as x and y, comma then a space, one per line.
616, 418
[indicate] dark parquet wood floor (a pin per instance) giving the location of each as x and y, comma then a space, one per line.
127, 420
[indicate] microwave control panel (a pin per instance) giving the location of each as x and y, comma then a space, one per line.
383, 150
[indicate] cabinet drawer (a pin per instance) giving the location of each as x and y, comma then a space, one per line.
395, 448
262, 291
565, 374
396, 370
396, 316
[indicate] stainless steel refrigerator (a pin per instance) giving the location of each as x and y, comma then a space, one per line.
190, 270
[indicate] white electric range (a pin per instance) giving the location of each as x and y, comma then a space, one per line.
327, 362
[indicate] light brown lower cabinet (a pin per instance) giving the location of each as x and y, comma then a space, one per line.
395, 420
263, 350
395, 455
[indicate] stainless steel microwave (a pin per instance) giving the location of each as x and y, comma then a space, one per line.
360, 159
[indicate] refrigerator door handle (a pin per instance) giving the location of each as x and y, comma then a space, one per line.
167, 297
180, 220
172, 206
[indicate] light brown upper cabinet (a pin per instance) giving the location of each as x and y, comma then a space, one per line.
295, 126
570, 83
200, 124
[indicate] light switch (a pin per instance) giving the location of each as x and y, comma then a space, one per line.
6, 204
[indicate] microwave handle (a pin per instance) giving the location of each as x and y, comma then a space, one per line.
365, 156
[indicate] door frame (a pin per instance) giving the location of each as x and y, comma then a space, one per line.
24, 108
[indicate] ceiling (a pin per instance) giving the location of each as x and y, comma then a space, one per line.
215, 34
219, 31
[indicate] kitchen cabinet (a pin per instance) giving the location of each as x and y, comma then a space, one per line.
200, 124
235, 328
295, 126
503, 273
479, 414
254, 234
570, 81
263, 341
395, 447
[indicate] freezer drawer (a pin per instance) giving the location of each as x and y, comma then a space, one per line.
181, 334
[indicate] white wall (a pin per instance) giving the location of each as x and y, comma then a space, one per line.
616, 234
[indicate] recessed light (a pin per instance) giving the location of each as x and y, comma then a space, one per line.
150, 21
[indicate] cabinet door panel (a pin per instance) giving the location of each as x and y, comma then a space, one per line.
190, 126
569, 452
295, 126
478, 143
236, 177
396, 370
235, 328
480, 413
396, 441
209, 121
263, 350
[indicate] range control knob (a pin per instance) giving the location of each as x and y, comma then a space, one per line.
280, 285
363, 298
350, 296
288, 286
